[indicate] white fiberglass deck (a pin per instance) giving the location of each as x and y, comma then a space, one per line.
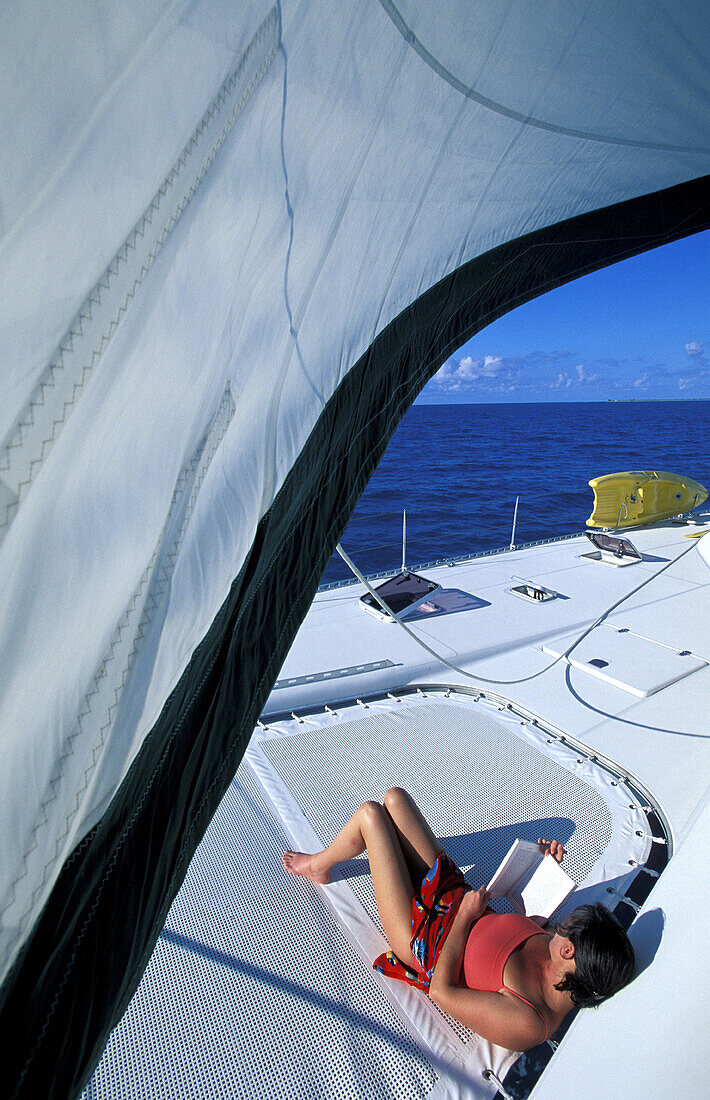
637, 687
261, 985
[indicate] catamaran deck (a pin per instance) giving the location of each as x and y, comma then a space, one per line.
261, 984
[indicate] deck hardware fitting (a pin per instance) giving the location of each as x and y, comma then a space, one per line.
622, 897
489, 1075
360, 703
300, 720
532, 590
512, 533
329, 710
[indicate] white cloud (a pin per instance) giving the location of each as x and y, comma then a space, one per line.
563, 381
492, 365
584, 376
562, 376
698, 366
457, 374
468, 369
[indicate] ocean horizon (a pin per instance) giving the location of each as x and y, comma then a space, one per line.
457, 469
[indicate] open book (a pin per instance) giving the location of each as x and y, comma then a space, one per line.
533, 884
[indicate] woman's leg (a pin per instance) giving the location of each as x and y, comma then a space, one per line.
371, 828
418, 842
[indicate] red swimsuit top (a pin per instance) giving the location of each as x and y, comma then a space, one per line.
490, 943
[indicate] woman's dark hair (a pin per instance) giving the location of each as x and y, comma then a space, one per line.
603, 955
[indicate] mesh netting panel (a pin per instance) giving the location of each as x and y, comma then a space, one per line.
478, 784
252, 990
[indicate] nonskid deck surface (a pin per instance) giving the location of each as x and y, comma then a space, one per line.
260, 984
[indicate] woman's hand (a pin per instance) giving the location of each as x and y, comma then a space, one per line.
473, 904
552, 848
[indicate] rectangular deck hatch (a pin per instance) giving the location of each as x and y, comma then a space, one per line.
612, 550
627, 660
402, 594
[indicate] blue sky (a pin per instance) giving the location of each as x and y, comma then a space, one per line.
639, 329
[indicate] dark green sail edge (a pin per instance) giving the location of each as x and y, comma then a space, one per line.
84, 960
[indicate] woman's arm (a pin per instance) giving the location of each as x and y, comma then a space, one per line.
495, 1016
498, 1017
448, 965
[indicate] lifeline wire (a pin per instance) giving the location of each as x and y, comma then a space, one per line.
522, 679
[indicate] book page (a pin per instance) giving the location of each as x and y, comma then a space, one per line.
547, 888
515, 870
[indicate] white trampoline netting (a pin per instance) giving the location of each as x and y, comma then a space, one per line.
261, 984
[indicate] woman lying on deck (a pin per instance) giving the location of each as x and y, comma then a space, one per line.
502, 975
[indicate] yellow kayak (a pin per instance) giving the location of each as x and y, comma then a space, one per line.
635, 497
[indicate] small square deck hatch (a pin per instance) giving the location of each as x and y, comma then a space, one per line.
532, 590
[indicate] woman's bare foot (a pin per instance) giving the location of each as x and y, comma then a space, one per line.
299, 863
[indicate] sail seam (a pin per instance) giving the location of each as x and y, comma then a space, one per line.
468, 92
64, 380
148, 598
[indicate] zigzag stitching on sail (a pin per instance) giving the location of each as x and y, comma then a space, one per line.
65, 378
150, 596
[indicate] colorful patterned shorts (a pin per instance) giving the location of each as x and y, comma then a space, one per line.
433, 912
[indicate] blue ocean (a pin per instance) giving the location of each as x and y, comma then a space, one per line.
457, 470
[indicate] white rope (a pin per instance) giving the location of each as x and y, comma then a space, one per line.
521, 679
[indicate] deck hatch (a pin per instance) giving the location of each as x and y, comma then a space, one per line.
627, 660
